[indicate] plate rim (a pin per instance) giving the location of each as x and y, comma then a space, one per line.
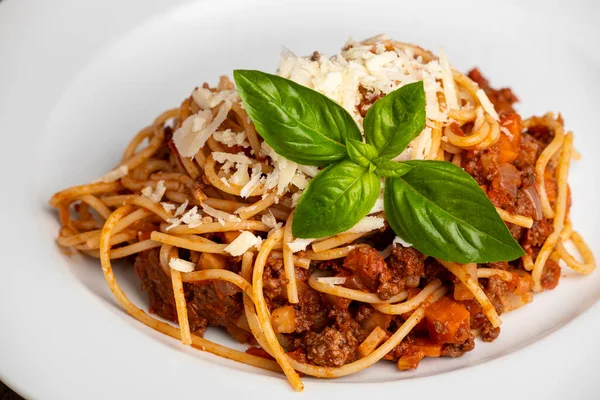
11, 10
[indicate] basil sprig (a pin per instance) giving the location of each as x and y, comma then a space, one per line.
434, 205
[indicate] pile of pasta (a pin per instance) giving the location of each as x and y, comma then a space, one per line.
158, 198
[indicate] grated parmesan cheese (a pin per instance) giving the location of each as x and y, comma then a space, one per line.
207, 99
168, 207
225, 181
309, 170
174, 222
155, 194
287, 171
299, 181
448, 80
259, 242
297, 245
243, 243
487, 104
181, 209
253, 183
332, 280
270, 221
378, 206
367, 224
296, 197
421, 144
240, 177
221, 216
191, 218
181, 265
196, 129
398, 240
239, 158
114, 175
284, 170
366, 70
230, 139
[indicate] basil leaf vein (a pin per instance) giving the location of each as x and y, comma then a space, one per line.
299, 123
442, 211
335, 200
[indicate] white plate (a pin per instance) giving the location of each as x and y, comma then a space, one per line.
77, 79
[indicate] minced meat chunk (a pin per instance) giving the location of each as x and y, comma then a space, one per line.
331, 347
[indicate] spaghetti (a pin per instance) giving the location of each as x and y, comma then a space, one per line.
210, 229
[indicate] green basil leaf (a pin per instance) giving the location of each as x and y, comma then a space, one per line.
298, 123
361, 153
441, 210
395, 120
335, 200
389, 168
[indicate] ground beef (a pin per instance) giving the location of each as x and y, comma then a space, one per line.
311, 311
390, 288
542, 133
516, 231
499, 286
537, 235
204, 301
495, 300
404, 347
482, 165
503, 265
369, 266
408, 264
331, 347
372, 270
550, 275
457, 350
369, 318
529, 151
478, 319
489, 333
345, 321
206, 305
523, 205
259, 352
434, 270
156, 284
527, 176
412, 344
404, 268
274, 280
503, 99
